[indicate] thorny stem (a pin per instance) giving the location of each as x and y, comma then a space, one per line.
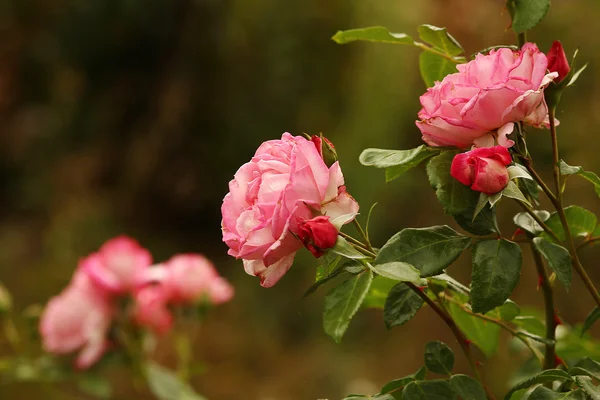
551, 322
563, 218
502, 324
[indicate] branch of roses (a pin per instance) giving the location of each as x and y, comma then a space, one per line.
550, 354
458, 334
501, 324
561, 213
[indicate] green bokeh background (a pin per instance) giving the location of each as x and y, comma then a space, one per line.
131, 116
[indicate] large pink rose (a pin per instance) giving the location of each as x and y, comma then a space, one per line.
271, 194
479, 104
117, 263
78, 318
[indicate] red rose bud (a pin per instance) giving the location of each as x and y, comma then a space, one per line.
326, 149
557, 61
483, 169
317, 234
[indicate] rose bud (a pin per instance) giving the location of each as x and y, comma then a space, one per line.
317, 234
557, 61
326, 149
483, 169
151, 309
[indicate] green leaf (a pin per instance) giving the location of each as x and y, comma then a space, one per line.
382, 158
590, 320
518, 171
399, 383
430, 250
543, 393
585, 382
526, 14
509, 310
457, 199
326, 272
342, 303
398, 271
483, 334
440, 39
512, 190
549, 375
378, 292
566, 169
428, 390
526, 222
377, 34
467, 387
558, 259
496, 272
439, 358
95, 386
434, 67
165, 385
581, 222
400, 306
530, 324
587, 367
576, 74
345, 249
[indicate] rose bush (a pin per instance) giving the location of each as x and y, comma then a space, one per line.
285, 183
483, 169
479, 104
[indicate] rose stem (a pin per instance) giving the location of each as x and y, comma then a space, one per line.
561, 213
550, 354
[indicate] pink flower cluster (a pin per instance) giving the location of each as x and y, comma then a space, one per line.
81, 316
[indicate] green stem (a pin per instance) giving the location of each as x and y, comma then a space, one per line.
550, 354
528, 165
563, 218
522, 38
456, 60
362, 234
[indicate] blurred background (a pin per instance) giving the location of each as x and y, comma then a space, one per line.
131, 116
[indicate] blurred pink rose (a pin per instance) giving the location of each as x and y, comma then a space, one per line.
479, 104
483, 169
557, 61
318, 234
117, 263
270, 194
151, 309
78, 318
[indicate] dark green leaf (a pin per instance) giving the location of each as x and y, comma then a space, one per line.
398, 271
398, 383
439, 358
342, 302
401, 305
440, 39
558, 259
526, 14
590, 320
326, 272
428, 249
581, 222
165, 385
434, 67
496, 272
378, 292
587, 367
586, 384
467, 388
484, 224
543, 393
527, 223
549, 375
428, 390
512, 191
483, 334
377, 34
591, 177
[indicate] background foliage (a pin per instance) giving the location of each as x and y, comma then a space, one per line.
131, 116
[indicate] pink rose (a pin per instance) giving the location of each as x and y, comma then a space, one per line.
117, 263
318, 234
479, 104
151, 309
270, 194
483, 169
557, 61
78, 318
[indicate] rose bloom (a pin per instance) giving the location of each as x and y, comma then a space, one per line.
117, 263
483, 169
271, 194
78, 318
479, 104
151, 309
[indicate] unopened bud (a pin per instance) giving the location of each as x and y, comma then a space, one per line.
326, 149
557, 61
317, 234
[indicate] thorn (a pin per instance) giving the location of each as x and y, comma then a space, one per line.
557, 320
540, 280
479, 363
468, 342
558, 361
422, 288
518, 232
